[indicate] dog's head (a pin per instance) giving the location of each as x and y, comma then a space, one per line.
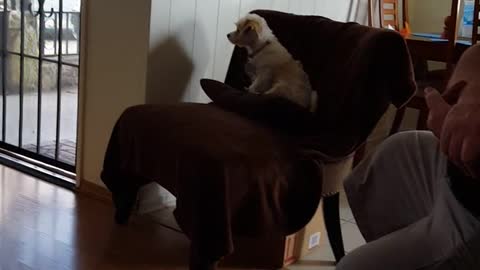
251, 29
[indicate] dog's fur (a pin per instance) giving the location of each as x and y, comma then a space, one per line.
271, 67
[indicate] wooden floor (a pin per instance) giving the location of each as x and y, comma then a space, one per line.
44, 227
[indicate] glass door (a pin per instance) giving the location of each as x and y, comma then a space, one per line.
39, 68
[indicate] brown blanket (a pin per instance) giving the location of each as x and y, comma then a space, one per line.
232, 173
229, 175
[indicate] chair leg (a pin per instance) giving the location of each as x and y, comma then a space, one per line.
359, 155
397, 121
331, 214
422, 120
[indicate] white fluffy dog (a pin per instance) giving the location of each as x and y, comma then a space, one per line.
271, 67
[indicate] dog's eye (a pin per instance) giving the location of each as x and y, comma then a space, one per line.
248, 29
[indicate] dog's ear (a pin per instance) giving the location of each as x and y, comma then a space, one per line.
252, 26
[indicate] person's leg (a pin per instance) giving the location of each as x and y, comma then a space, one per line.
414, 221
395, 186
446, 239
465, 257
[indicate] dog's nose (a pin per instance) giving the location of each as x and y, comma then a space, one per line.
228, 35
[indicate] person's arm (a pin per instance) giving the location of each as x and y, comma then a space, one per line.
458, 126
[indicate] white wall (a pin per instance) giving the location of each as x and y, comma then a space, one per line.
114, 64
196, 34
427, 16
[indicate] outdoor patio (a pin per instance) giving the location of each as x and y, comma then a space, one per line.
68, 123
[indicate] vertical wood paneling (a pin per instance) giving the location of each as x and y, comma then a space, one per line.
307, 7
246, 6
182, 22
338, 11
249, 5
281, 5
228, 14
320, 7
295, 6
204, 46
266, 4
160, 21
182, 27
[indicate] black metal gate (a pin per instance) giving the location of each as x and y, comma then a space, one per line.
39, 68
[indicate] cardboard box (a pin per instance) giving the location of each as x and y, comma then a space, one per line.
304, 242
274, 251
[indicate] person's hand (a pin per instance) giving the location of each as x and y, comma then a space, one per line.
439, 109
440, 105
458, 128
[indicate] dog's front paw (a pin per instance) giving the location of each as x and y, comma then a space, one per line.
252, 90
124, 204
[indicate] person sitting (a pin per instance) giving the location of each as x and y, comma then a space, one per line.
416, 199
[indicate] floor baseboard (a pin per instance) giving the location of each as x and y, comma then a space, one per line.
94, 191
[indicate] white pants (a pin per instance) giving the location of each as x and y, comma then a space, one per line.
403, 205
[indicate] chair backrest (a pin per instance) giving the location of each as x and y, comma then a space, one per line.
388, 11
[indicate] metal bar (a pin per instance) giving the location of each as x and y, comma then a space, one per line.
67, 27
22, 72
55, 21
44, 59
79, 33
4, 69
40, 73
69, 64
59, 79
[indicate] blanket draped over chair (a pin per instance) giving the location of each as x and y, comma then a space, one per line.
247, 164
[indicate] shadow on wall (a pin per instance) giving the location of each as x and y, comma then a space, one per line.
203, 55
358, 11
169, 72
176, 66
173, 77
